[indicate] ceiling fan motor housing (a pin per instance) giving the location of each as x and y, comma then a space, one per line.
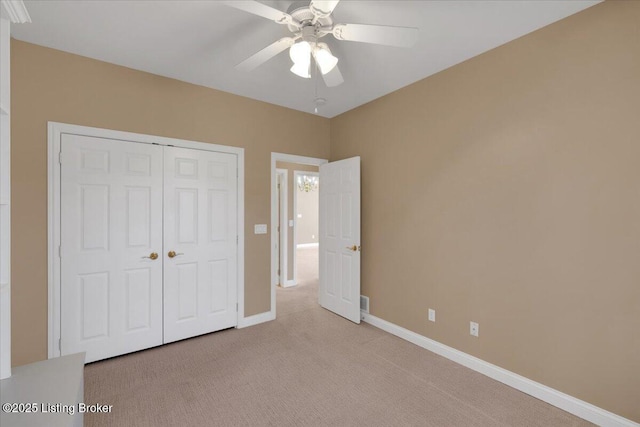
301, 12
309, 34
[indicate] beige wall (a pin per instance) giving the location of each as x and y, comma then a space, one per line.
291, 168
49, 85
506, 190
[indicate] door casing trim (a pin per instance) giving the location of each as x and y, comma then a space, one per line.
55, 132
283, 245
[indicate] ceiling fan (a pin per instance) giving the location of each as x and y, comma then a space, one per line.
309, 22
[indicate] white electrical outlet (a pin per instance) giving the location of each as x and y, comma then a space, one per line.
432, 315
474, 329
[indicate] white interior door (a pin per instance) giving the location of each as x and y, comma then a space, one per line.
339, 230
111, 224
200, 227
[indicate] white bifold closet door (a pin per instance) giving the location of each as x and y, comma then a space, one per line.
148, 245
200, 228
111, 223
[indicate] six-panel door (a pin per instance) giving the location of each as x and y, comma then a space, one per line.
111, 223
200, 223
339, 229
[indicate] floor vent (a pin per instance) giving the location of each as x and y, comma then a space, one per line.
364, 303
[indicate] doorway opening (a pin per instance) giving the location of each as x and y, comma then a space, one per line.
306, 207
294, 222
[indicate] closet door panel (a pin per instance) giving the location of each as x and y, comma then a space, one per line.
111, 222
200, 227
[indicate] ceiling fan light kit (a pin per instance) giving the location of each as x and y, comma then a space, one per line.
301, 52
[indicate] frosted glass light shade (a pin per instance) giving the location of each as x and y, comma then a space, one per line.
301, 69
300, 52
326, 61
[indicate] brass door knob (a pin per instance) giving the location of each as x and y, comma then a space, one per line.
173, 254
353, 248
153, 255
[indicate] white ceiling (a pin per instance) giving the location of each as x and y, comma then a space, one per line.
201, 41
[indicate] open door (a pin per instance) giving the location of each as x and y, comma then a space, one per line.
339, 229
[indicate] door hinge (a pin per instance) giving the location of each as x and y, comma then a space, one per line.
60, 157
236, 307
59, 251
60, 344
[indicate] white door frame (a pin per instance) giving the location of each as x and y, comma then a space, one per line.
284, 236
55, 131
297, 173
289, 158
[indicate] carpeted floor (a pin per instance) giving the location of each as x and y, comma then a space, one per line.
304, 296
309, 367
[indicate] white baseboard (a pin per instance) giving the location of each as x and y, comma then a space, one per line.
288, 283
547, 394
307, 245
256, 319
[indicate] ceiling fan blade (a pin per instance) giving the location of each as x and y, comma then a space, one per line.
378, 34
265, 54
322, 8
262, 10
333, 78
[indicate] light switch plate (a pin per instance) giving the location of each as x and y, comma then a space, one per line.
432, 315
260, 228
290, 223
